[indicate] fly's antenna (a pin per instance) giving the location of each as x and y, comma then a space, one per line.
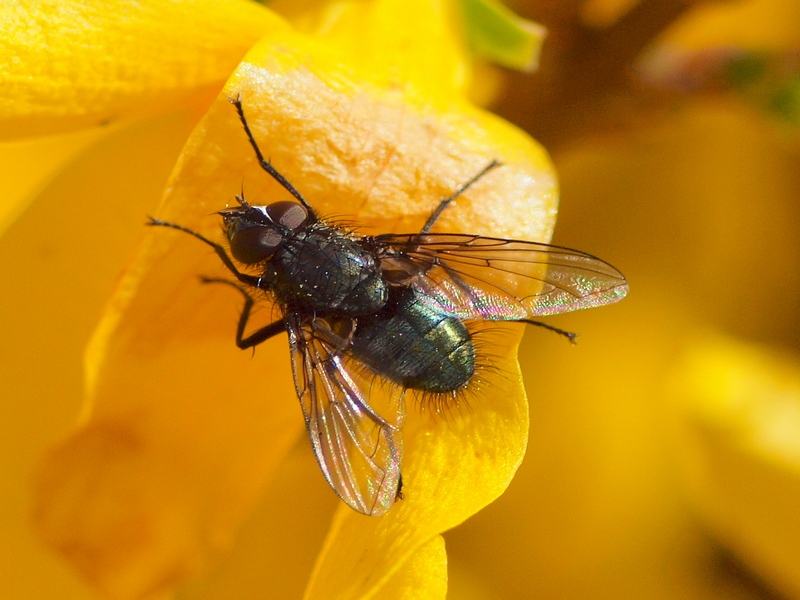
265, 164
240, 197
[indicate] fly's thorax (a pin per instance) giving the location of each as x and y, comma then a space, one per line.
325, 269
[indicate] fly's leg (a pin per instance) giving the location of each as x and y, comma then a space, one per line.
257, 337
226, 260
265, 164
447, 201
567, 334
339, 342
398, 495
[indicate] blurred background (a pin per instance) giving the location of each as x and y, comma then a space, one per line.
664, 454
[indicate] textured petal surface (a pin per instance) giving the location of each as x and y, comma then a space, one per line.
423, 575
70, 64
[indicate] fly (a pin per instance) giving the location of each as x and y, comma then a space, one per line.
393, 306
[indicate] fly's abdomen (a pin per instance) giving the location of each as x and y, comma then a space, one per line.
415, 346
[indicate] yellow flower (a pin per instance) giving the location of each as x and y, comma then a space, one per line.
180, 433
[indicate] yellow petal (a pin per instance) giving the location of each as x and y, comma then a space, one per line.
455, 464
740, 409
423, 575
27, 166
72, 64
275, 548
423, 41
412, 43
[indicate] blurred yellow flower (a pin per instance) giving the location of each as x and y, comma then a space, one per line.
739, 408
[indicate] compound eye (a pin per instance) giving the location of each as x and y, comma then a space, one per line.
288, 214
254, 244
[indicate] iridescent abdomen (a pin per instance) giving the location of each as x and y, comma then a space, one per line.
414, 345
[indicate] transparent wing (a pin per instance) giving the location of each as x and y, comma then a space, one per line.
358, 450
473, 277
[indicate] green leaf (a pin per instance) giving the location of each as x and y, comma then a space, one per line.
769, 80
785, 102
494, 32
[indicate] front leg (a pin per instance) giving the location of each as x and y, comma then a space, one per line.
258, 336
250, 280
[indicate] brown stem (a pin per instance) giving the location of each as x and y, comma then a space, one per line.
586, 84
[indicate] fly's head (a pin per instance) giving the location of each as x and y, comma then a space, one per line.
256, 232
